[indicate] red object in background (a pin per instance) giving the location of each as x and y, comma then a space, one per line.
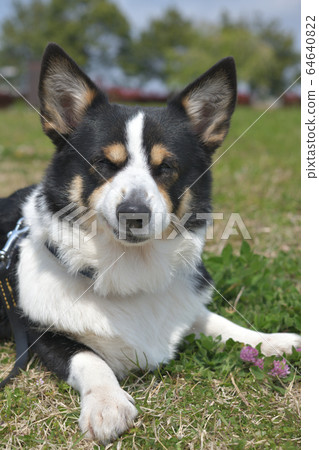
6, 99
137, 95
243, 99
291, 99
117, 94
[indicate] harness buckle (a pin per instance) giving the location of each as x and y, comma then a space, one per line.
13, 236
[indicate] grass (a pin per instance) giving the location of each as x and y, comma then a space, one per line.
207, 398
259, 177
24, 149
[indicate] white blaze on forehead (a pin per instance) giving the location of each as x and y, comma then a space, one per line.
134, 137
135, 177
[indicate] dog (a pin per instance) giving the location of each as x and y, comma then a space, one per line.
131, 284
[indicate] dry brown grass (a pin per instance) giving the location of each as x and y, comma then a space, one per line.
165, 415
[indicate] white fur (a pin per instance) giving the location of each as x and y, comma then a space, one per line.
134, 136
138, 309
148, 268
106, 409
272, 344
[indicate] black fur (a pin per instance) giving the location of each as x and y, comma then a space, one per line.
53, 349
202, 279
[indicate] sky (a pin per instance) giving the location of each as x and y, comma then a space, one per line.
287, 12
140, 12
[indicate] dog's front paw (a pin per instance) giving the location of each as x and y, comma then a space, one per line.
106, 415
279, 343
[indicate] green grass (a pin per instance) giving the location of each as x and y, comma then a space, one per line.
259, 177
207, 397
24, 149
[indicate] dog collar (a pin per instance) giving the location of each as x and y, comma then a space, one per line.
88, 272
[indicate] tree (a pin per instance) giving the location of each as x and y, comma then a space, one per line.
284, 54
177, 51
260, 62
85, 29
148, 54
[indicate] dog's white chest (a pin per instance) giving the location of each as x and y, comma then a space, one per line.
142, 331
127, 331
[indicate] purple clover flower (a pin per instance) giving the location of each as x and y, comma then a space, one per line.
249, 354
280, 369
259, 363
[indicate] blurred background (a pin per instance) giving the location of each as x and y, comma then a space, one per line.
142, 51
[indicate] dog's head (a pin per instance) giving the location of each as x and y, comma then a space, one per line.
138, 168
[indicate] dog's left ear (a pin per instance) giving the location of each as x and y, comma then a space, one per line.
210, 101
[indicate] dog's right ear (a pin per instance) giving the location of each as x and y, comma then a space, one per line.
65, 93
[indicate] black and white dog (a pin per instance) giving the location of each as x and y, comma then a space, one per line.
131, 284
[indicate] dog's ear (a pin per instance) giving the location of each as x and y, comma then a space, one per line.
65, 93
210, 101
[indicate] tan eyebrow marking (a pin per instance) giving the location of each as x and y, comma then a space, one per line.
116, 153
158, 154
166, 196
95, 195
76, 190
185, 204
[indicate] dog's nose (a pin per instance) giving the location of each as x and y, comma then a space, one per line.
135, 215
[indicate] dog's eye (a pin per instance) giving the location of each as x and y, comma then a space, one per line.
165, 167
109, 164
167, 170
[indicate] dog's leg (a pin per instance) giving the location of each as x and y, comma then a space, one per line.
214, 325
106, 409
